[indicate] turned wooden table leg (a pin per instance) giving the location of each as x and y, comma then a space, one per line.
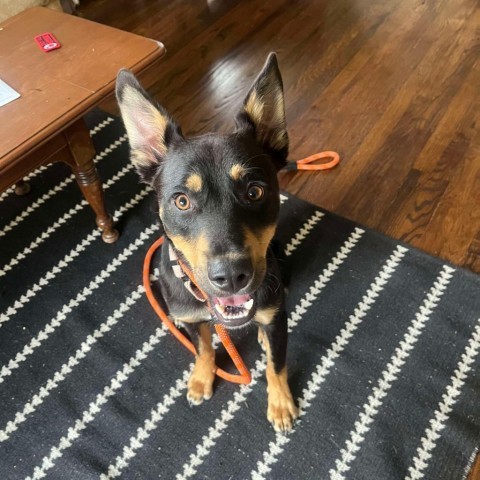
80, 159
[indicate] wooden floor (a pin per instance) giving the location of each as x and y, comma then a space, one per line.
393, 86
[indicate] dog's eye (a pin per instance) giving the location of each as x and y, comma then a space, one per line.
182, 202
255, 193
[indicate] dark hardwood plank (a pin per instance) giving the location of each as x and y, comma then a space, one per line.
472, 257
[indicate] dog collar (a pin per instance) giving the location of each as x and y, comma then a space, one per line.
179, 273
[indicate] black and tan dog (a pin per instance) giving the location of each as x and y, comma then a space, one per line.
218, 199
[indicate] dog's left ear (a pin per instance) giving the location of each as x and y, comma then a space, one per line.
151, 130
263, 111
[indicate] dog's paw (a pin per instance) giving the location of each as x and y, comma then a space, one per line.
200, 385
282, 411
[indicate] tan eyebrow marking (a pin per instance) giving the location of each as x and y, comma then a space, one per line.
194, 182
237, 171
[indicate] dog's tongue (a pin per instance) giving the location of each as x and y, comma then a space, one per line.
234, 300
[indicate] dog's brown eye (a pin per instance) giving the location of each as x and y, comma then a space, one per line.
182, 202
255, 193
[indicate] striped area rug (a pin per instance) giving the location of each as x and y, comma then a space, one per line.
384, 350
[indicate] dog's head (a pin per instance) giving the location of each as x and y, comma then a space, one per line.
218, 195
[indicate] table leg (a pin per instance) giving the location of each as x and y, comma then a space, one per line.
22, 188
80, 159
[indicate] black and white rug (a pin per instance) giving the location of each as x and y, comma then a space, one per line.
384, 351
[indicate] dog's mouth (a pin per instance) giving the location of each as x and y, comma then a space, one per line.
234, 311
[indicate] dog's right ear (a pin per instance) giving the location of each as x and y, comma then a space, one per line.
149, 127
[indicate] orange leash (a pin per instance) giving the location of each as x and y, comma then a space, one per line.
307, 163
244, 376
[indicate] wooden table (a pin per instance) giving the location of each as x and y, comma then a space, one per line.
57, 88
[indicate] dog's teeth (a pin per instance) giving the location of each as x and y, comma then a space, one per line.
233, 316
234, 312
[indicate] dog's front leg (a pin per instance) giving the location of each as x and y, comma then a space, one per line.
200, 384
281, 408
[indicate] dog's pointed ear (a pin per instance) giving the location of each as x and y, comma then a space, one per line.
149, 128
264, 111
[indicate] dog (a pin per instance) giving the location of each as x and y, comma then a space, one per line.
218, 203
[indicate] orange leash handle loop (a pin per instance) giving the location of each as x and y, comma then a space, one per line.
307, 163
244, 377
304, 163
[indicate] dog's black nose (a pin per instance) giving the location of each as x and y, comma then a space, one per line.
230, 275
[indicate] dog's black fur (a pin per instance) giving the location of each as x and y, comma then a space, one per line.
218, 199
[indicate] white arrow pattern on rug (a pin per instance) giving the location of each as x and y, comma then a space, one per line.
60, 375
390, 375
100, 126
420, 462
59, 187
276, 447
122, 462
67, 368
304, 231
150, 424
48, 462
120, 377
63, 313
75, 252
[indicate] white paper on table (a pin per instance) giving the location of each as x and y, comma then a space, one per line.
7, 94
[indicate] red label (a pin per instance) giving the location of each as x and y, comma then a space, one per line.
47, 42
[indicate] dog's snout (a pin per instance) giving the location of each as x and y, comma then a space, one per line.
230, 275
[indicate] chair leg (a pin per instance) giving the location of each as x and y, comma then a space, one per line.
81, 161
22, 188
